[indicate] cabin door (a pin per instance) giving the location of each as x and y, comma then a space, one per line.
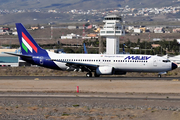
155, 62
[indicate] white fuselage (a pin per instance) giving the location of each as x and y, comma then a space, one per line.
120, 62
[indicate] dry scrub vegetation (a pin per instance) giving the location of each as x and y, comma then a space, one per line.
87, 109
40, 71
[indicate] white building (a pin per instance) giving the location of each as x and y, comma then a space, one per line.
9, 60
70, 36
158, 30
178, 41
15, 33
72, 27
112, 30
130, 27
136, 30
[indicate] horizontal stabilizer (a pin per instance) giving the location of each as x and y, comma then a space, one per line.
20, 55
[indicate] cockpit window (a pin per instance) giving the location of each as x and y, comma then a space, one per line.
166, 61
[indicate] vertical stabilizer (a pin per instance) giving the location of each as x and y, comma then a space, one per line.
27, 43
85, 50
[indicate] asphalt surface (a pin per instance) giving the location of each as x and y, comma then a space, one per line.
83, 78
76, 96
88, 97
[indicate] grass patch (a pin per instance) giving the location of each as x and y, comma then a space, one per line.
46, 116
65, 114
76, 105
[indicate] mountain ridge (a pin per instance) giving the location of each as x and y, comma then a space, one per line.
13, 11
82, 4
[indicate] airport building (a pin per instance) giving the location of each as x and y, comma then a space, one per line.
9, 60
112, 30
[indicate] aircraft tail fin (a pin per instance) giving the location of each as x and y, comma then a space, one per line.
85, 50
124, 52
27, 43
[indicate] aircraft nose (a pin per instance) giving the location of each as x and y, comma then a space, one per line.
174, 66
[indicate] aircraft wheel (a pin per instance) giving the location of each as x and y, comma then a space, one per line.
95, 75
89, 74
159, 75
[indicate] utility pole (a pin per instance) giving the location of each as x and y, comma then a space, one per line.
51, 32
83, 34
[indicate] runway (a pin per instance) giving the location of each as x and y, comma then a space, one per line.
93, 88
90, 85
83, 78
91, 96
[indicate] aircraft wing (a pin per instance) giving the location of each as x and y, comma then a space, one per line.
83, 66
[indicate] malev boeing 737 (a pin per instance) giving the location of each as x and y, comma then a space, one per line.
99, 64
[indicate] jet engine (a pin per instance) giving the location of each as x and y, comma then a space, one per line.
104, 70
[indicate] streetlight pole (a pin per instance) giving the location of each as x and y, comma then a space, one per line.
145, 47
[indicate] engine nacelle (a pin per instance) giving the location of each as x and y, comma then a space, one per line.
105, 70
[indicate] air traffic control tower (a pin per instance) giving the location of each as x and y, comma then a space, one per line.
112, 30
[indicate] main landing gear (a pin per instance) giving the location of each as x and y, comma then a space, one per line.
96, 75
159, 75
89, 74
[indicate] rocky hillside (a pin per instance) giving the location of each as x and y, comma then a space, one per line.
82, 4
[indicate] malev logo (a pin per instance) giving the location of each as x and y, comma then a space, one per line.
137, 57
27, 44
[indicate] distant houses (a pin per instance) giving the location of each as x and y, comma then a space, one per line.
70, 36
159, 30
75, 36
34, 28
176, 30
152, 29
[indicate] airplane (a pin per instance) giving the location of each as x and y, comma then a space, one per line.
99, 64
124, 52
85, 50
